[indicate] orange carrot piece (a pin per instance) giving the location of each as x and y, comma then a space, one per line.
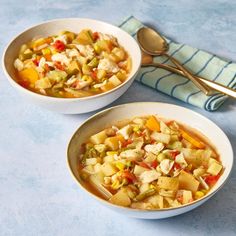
153, 124
195, 142
29, 74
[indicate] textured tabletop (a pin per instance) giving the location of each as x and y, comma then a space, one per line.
38, 196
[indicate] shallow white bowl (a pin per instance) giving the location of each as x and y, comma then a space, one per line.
110, 116
71, 105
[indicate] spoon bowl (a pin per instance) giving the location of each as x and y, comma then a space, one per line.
154, 44
151, 42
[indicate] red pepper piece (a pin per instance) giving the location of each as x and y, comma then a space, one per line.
176, 166
174, 153
127, 142
58, 65
94, 75
129, 176
154, 164
24, 83
36, 62
46, 67
59, 45
211, 179
95, 36
143, 164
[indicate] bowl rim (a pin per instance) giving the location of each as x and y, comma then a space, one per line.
61, 99
152, 211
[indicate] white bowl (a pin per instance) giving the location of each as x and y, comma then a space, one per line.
71, 105
110, 116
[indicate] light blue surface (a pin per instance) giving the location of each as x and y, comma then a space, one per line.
38, 196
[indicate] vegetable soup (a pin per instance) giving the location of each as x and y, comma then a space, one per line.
72, 65
149, 163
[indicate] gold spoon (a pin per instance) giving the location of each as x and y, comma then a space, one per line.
147, 60
154, 44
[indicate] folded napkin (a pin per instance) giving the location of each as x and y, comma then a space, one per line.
197, 61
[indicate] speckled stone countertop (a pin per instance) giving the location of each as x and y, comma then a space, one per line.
38, 196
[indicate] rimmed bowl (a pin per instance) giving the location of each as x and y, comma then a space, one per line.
71, 105
185, 116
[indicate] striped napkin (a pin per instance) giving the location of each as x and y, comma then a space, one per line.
197, 61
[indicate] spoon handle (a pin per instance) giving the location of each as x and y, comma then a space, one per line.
203, 87
214, 85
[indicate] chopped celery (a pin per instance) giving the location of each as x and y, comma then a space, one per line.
78, 93
97, 48
145, 194
85, 37
161, 156
43, 83
86, 69
177, 145
104, 45
56, 75
93, 63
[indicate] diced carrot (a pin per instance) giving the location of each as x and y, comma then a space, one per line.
121, 138
48, 40
195, 142
48, 57
127, 142
58, 65
153, 124
152, 141
46, 67
29, 74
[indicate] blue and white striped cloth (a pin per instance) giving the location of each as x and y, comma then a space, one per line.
198, 61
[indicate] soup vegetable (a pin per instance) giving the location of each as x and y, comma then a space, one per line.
72, 65
149, 163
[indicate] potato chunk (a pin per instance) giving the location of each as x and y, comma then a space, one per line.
108, 169
121, 198
168, 183
138, 170
98, 138
112, 143
214, 168
187, 197
188, 182
160, 137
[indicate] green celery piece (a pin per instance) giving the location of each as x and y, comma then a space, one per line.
93, 63
145, 194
